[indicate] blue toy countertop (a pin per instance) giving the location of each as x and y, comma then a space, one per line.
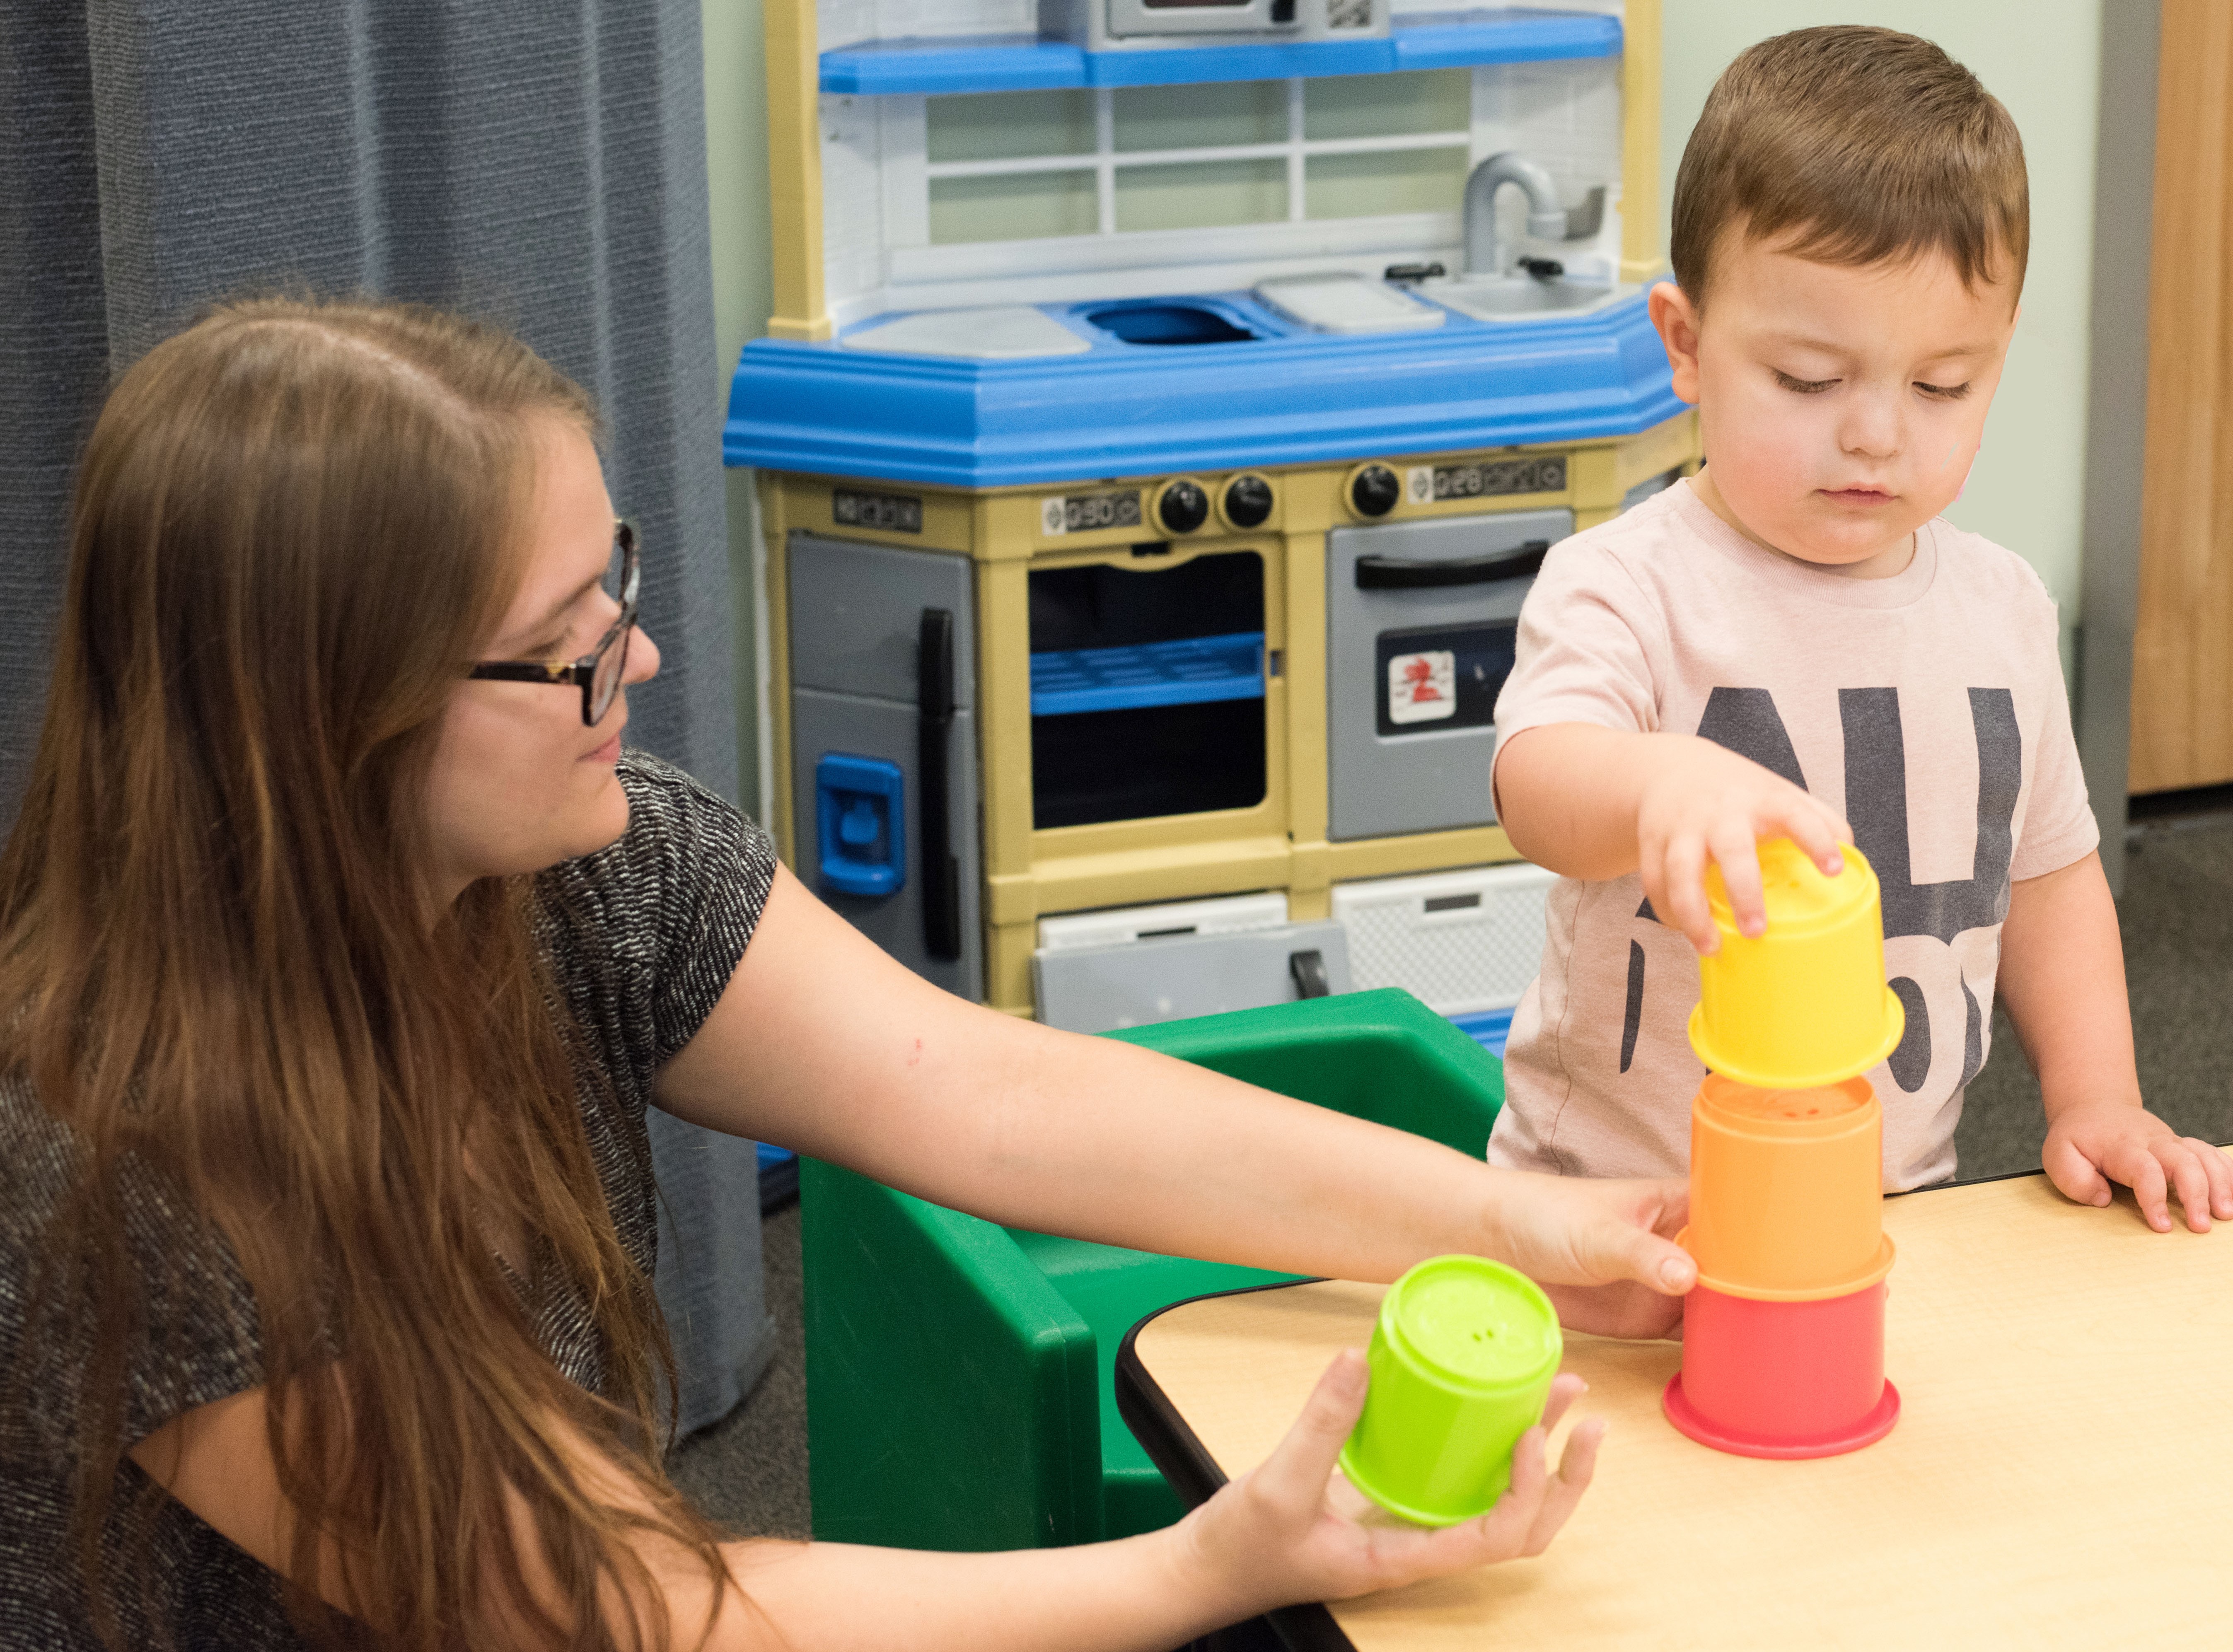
1021, 62
1286, 396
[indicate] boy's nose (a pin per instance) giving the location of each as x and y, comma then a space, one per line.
1870, 429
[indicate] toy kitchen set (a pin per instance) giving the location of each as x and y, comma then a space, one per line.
1168, 405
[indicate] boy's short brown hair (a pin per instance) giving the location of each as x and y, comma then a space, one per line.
1850, 144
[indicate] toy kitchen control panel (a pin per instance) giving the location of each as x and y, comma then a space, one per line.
1176, 689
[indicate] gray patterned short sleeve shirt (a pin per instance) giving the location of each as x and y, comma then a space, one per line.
642, 937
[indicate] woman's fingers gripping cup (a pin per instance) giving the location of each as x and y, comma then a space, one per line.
1288, 1531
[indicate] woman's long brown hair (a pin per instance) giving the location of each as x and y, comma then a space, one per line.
222, 967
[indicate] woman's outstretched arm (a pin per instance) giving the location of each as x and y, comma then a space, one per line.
823, 1043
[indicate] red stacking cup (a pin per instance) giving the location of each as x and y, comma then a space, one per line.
1785, 1373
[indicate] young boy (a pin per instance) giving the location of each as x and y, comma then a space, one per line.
1793, 640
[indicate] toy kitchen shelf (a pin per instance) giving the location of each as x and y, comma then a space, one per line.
1026, 63
1191, 671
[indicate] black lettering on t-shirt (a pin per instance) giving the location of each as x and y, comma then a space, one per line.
1875, 806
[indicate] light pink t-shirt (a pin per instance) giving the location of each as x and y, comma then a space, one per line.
1927, 708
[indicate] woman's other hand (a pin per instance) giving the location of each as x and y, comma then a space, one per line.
1289, 1530
1603, 1251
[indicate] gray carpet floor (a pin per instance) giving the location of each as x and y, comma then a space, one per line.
749, 1471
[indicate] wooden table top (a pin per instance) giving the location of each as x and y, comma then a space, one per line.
2062, 1474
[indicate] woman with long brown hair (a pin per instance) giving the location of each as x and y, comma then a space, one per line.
342, 946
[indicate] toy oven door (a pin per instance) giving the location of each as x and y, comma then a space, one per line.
1421, 618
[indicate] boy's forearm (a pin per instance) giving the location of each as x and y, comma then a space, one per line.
1568, 795
2062, 979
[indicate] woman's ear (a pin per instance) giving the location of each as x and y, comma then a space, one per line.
1677, 319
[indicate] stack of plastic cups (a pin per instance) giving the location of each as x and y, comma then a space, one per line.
1783, 1337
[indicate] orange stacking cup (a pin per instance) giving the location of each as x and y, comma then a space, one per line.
1785, 1186
1804, 1003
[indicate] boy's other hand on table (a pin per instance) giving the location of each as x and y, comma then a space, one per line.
2090, 1144
2062, 979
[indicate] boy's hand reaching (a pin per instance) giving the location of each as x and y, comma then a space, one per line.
1598, 803
2090, 1144
1703, 802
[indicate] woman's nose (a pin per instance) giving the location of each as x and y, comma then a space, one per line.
643, 658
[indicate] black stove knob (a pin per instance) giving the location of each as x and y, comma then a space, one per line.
1183, 506
1248, 501
1374, 491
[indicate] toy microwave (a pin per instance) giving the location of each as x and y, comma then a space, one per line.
1105, 25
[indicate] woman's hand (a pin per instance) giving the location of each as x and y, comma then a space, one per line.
1603, 1251
1289, 1531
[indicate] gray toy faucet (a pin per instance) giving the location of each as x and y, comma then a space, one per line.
1548, 217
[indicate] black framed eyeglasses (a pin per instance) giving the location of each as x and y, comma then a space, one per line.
600, 671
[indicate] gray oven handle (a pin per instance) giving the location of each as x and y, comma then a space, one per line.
941, 872
1405, 573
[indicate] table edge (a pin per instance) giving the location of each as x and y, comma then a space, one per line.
1185, 1463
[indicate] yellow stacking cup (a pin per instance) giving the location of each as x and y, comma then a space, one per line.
1786, 1186
1805, 1004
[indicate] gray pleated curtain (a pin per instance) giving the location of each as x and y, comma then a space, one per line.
538, 162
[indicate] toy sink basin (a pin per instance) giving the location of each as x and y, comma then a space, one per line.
1170, 322
1522, 298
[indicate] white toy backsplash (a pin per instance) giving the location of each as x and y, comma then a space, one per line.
843, 22
1052, 197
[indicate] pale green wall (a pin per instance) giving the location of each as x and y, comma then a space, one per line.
2041, 58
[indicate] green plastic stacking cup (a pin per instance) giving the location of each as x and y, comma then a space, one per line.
1461, 1361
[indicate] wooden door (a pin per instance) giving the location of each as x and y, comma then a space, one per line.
2182, 644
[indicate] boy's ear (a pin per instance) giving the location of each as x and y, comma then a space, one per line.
1677, 319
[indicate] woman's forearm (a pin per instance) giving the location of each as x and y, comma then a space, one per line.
824, 1044
1134, 1595
1136, 1148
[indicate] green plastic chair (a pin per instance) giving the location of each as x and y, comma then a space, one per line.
958, 1374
